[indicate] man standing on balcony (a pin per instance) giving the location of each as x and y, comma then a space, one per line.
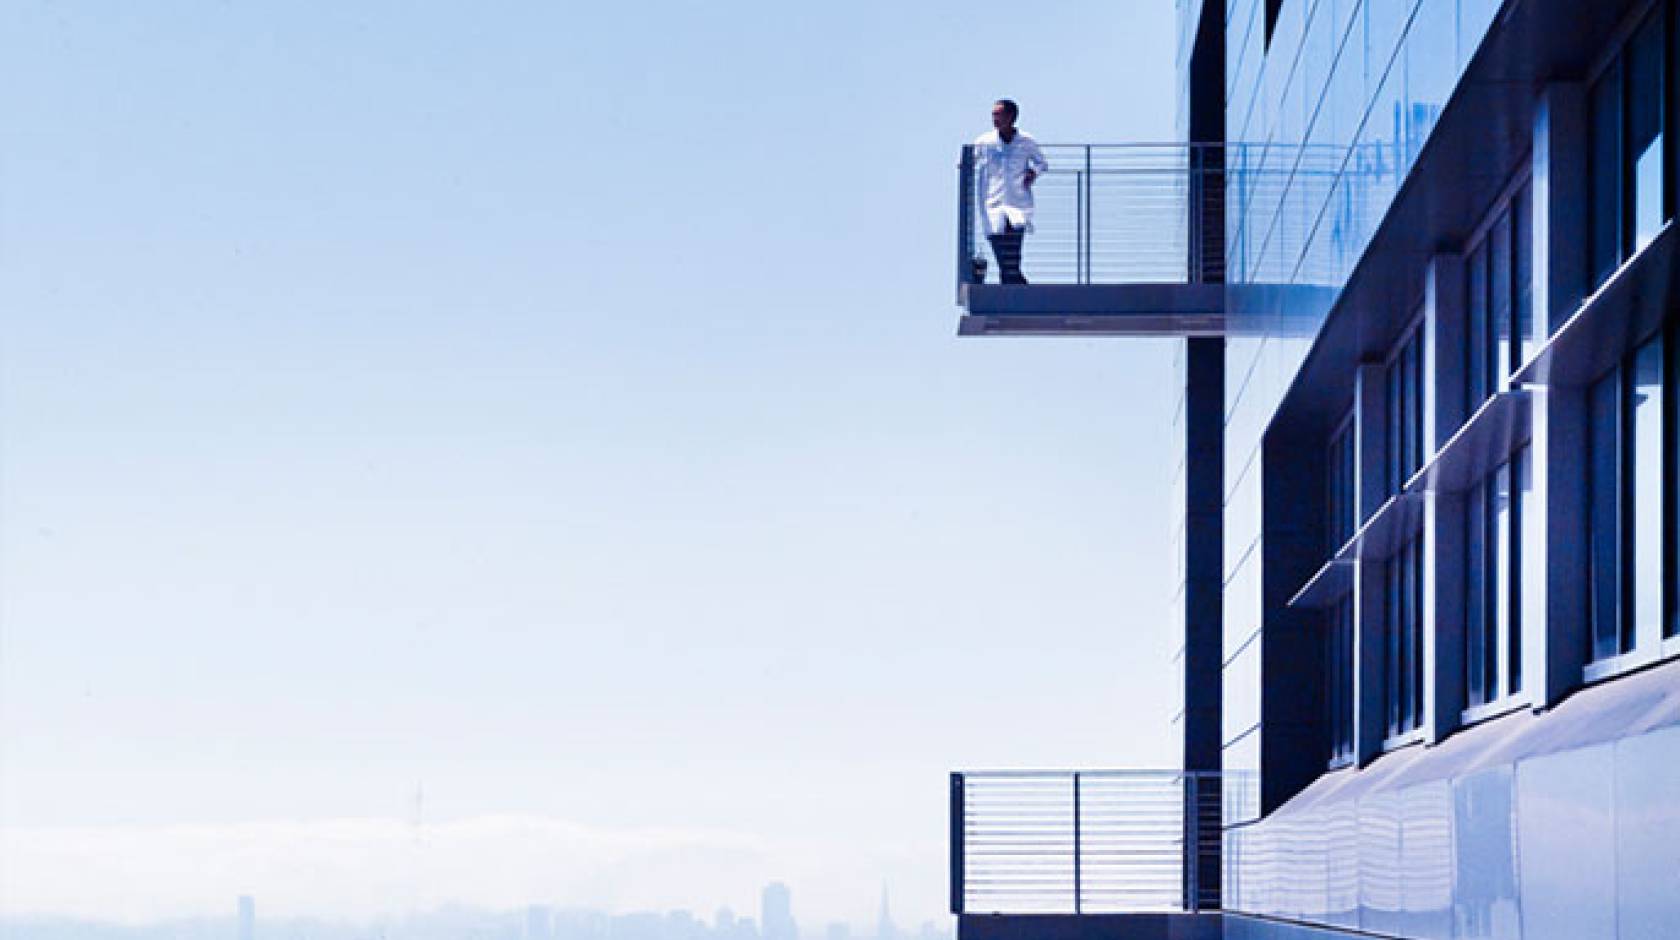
1008, 160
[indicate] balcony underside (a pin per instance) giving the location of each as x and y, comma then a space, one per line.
1092, 310
1089, 927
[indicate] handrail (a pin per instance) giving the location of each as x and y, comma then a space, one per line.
1124, 213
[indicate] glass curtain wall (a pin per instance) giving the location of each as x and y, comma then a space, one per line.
1626, 505
1628, 191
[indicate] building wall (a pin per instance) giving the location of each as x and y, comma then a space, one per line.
1489, 750
1323, 122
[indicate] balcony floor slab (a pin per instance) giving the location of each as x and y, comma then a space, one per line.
1093, 310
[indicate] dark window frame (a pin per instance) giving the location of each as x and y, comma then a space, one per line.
1613, 105
1614, 634
1404, 449
1493, 586
1403, 638
1342, 485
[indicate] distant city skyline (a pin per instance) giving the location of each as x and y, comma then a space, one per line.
535, 921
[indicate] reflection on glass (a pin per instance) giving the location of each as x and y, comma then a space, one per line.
1522, 264
1499, 499
1499, 298
1604, 513
1647, 200
1645, 130
1530, 561
1476, 359
1475, 597
1644, 459
1606, 185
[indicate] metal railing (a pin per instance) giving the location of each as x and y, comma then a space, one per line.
1109, 214
1085, 842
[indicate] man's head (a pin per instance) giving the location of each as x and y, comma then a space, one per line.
1004, 113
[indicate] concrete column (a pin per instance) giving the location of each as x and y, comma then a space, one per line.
1293, 743
1370, 723
1554, 606
1204, 586
1443, 615
1204, 551
1555, 566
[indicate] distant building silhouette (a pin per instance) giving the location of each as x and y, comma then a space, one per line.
776, 912
884, 929
537, 923
247, 917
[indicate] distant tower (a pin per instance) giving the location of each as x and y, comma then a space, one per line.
536, 923
884, 929
776, 913
839, 931
247, 917
724, 924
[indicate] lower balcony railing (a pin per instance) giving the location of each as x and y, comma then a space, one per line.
1085, 842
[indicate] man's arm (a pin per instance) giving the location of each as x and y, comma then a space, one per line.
1036, 164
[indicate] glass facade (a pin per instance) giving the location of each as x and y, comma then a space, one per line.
1324, 120
1329, 104
1496, 530
1403, 424
1500, 329
1342, 502
1626, 486
1643, 466
1339, 686
1403, 638
1627, 161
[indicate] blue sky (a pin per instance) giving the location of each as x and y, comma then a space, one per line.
554, 409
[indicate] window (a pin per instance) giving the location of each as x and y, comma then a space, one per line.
1500, 333
1526, 334
1625, 508
1605, 167
1343, 499
1338, 691
1403, 623
1604, 515
1642, 456
1403, 431
1627, 189
1495, 538
1642, 160
1673, 476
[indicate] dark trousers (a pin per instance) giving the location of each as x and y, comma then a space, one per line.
1006, 248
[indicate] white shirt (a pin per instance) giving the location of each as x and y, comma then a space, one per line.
1002, 172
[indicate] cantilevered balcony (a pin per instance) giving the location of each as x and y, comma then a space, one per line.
1128, 240
1054, 855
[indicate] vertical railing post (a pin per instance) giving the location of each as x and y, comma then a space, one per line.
1193, 843
1079, 184
1085, 239
1194, 216
1078, 889
965, 220
958, 861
